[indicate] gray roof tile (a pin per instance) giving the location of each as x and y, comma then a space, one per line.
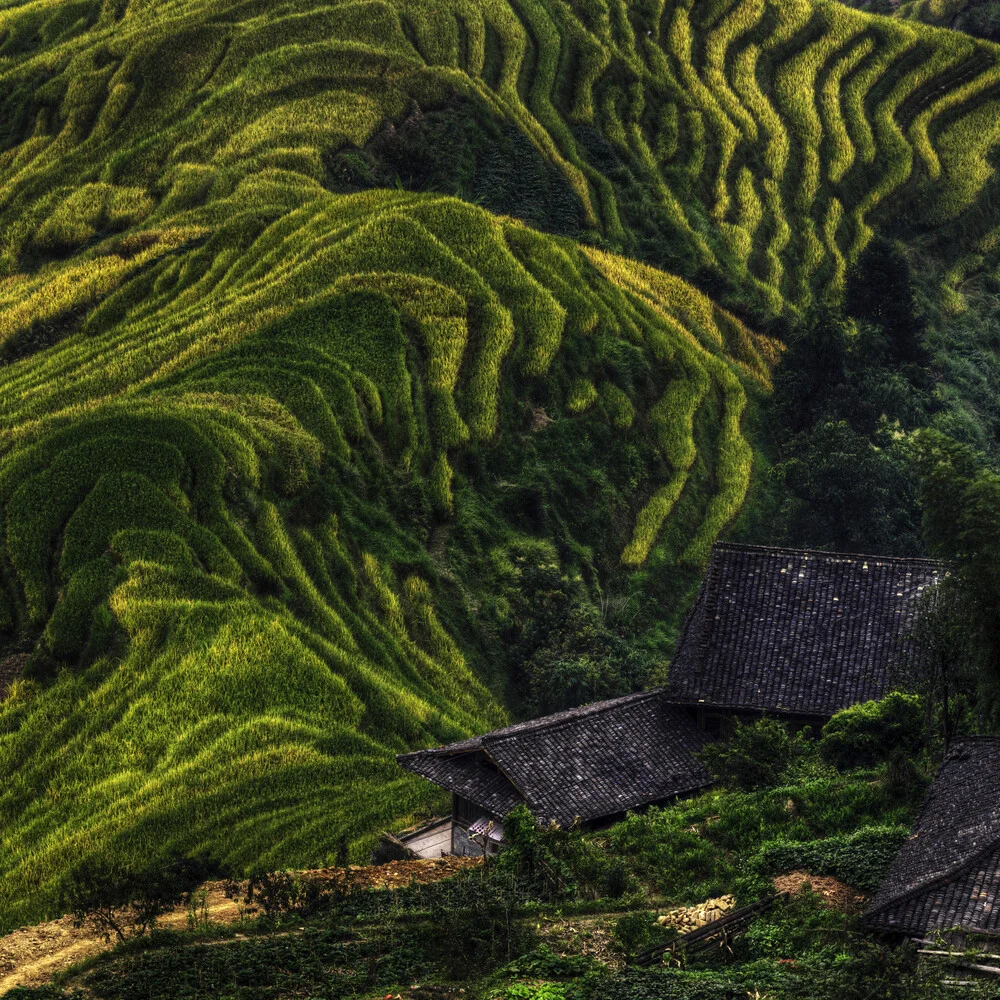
586, 763
948, 873
795, 631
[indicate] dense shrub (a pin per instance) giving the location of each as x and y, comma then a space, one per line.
981, 19
121, 901
704, 846
475, 920
280, 894
555, 864
861, 859
758, 755
867, 734
634, 932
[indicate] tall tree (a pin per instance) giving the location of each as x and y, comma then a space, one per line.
960, 498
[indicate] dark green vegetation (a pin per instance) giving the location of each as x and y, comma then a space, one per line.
489, 928
370, 369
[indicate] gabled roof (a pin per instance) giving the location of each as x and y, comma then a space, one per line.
795, 631
948, 873
585, 763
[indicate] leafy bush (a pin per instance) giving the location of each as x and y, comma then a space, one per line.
543, 963
120, 901
538, 858
758, 755
794, 929
634, 932
867, 734
279, 894
474, 920
860, 859
710, 845
542, 991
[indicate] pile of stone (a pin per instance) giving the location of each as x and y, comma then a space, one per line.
690, 918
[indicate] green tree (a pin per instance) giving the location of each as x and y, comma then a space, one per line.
941, 669
123, 901
960, 498
844, 403
866, 734
880, 290
757, 756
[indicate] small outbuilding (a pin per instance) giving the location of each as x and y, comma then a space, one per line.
946, 878
796, 633
588, 765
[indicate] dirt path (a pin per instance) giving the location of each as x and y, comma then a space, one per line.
31, 956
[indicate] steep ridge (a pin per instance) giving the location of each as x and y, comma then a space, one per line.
248, 381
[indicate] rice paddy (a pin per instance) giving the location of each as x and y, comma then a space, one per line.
242, 400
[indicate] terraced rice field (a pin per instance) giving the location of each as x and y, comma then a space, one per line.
237, 395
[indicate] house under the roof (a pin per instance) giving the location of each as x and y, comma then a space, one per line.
795, 632
585, 765
946, 877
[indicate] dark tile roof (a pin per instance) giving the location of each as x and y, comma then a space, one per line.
589, 762
796, 631
948, 873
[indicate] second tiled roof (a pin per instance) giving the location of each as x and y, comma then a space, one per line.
796, 631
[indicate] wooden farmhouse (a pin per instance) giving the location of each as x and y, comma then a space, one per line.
795, 633
787, 632
946, 878
587, 765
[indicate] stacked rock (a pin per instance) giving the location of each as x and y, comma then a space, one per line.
690, 918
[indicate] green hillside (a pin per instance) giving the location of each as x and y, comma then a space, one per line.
979, 18
349, 350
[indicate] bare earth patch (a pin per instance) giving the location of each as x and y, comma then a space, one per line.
393, 875
589, 936
834, 892
32, 955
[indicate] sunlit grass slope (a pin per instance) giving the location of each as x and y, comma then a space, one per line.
200, 503
249, 390
751, 140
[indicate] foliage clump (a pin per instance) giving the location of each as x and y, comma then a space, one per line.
125, 901
758, 755
868, 734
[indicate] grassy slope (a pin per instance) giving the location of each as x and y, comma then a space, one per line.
236, 395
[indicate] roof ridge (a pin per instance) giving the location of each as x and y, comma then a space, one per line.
472, 744
557, 719
783, 550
